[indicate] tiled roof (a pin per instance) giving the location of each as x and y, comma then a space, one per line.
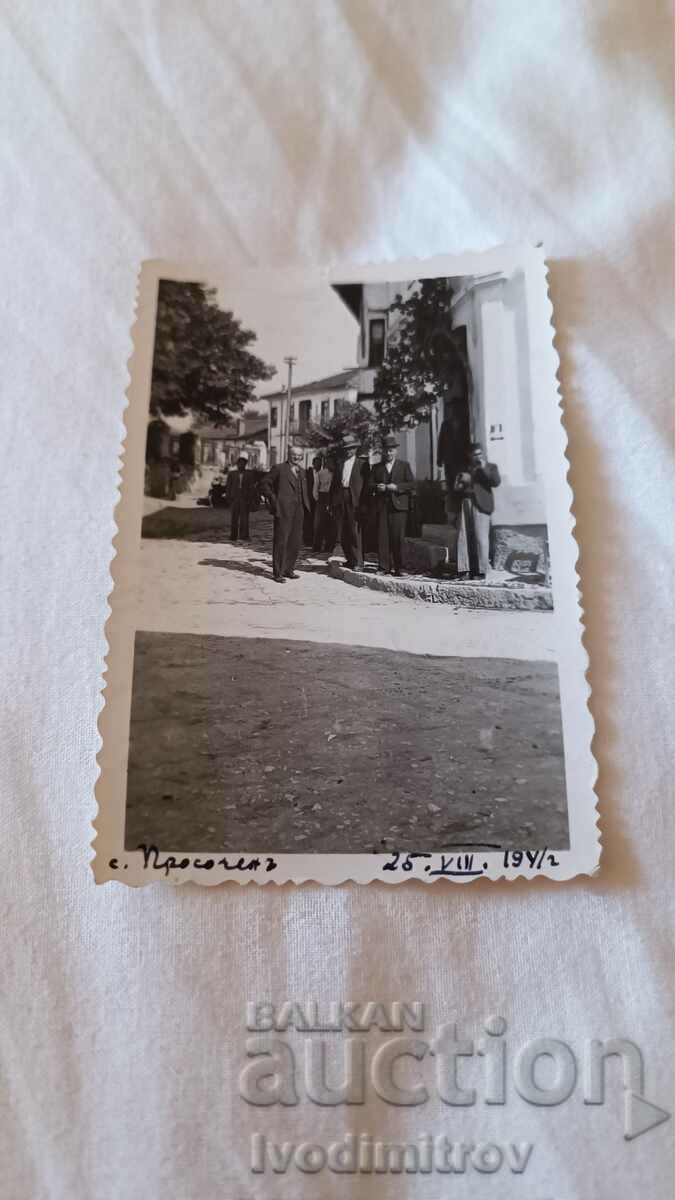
335, 383
254, 427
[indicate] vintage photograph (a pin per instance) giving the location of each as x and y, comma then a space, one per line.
346, 638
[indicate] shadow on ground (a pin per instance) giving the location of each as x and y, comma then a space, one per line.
235, 564
203, 524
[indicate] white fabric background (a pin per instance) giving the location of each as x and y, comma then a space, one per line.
320, 130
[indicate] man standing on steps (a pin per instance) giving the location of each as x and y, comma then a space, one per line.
285, 489
393, 483
476, 483
240, 492
349, 495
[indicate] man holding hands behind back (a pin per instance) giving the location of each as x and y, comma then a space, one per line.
285, 489
392, 484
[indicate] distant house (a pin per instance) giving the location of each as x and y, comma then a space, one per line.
202, 451
219, 446
490, 323
312, 404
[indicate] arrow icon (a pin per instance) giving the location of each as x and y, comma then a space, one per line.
639, 1115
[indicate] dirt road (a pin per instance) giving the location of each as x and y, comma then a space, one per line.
252, 744
194, 580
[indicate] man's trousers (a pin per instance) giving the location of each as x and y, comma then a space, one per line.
350, 531
323, 536
239, 520
390, 534
287, 540
477, 539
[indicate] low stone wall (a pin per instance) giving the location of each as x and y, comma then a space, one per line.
476, 595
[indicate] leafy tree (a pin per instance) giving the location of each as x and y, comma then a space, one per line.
351, 418
423, 357
202, 359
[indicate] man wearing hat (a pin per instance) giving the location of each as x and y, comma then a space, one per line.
350, 491
240, 494
392, 484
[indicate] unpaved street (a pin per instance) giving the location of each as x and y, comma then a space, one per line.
199, 582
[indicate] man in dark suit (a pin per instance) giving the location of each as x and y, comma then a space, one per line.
392, 484
350, 492
285, 488
476, 484
240, 493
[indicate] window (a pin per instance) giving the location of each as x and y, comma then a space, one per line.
376, 342
342, 405
292, 414
305, 412
325, 412
274, 417
273, 456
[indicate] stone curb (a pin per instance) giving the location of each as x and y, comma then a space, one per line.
459, 595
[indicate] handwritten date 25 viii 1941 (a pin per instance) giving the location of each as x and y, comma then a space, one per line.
468, 865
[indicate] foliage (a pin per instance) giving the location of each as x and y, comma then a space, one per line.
351, 419
423, 358
202, 358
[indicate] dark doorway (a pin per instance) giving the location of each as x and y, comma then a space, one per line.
455, 433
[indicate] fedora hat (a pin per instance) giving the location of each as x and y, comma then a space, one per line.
390, 441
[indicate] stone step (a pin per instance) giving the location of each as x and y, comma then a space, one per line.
422, 556
435, 533
471, 594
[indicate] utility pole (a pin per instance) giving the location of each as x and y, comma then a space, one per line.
290, 360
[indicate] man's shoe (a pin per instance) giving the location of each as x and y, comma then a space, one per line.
278, 579
291, 575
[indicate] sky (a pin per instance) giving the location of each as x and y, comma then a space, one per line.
311, 323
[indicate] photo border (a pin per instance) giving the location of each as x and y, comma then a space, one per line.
112, 861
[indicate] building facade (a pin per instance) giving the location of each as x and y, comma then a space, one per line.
490, 323
219, 446
312, 405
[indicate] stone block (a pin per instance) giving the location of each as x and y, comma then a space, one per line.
421, 556
435, 533
520, 549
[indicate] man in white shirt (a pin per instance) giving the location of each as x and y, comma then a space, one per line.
322, 487
348, 500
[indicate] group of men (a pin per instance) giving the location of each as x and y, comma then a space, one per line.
333, 502
337, 502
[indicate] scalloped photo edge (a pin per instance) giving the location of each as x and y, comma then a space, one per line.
378, 717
